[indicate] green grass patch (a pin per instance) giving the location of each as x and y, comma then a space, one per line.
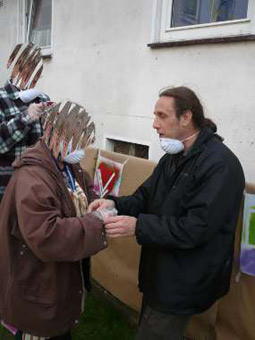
100, 321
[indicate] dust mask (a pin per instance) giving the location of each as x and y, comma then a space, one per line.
174, 146
27, 96
75, 156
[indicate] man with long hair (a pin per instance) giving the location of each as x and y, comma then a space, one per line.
184, 217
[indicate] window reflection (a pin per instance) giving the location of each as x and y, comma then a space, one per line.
193, 12
39, 30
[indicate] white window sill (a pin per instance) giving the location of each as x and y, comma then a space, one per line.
217, 40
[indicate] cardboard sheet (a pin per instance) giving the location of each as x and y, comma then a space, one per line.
116, 268
247, 255
236, 311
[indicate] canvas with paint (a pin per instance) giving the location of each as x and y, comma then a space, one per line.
247, 257
108, 177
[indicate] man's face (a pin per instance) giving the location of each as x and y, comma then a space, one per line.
165, 121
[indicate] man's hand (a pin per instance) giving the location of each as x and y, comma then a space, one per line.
120, 226
35, 111
100, 204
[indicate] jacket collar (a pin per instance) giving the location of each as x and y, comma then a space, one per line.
39, 155
204, 136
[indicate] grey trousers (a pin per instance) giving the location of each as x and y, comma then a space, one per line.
155, 325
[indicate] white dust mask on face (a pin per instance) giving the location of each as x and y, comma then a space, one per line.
75, 156
174, 146
28, 96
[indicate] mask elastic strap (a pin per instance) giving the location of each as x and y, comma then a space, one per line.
183, 140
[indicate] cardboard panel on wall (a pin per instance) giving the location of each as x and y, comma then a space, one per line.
236, 311
202, 326
232, 316
116, 268
135, 171
89, 162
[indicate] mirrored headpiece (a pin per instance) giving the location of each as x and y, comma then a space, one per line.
26, 65
68, 127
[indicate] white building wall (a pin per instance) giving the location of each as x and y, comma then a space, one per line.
101, 60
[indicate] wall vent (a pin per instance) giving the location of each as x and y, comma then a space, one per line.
128, 148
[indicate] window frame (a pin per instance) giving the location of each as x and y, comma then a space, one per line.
23, 25
162, 32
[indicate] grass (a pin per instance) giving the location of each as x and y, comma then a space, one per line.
100, 321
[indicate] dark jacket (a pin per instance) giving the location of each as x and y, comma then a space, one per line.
186, 219
41, 245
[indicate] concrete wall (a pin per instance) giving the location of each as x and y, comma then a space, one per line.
101, 60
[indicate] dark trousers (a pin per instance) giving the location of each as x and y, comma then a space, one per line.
66, 336
155, 325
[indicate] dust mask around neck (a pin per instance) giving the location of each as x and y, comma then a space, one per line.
174, 146
171, 146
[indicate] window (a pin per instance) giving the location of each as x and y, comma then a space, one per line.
194, 12
36, 23
127, 148
184, 20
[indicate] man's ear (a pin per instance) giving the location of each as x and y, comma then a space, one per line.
186, 118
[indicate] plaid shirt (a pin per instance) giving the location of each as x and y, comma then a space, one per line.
17, 130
